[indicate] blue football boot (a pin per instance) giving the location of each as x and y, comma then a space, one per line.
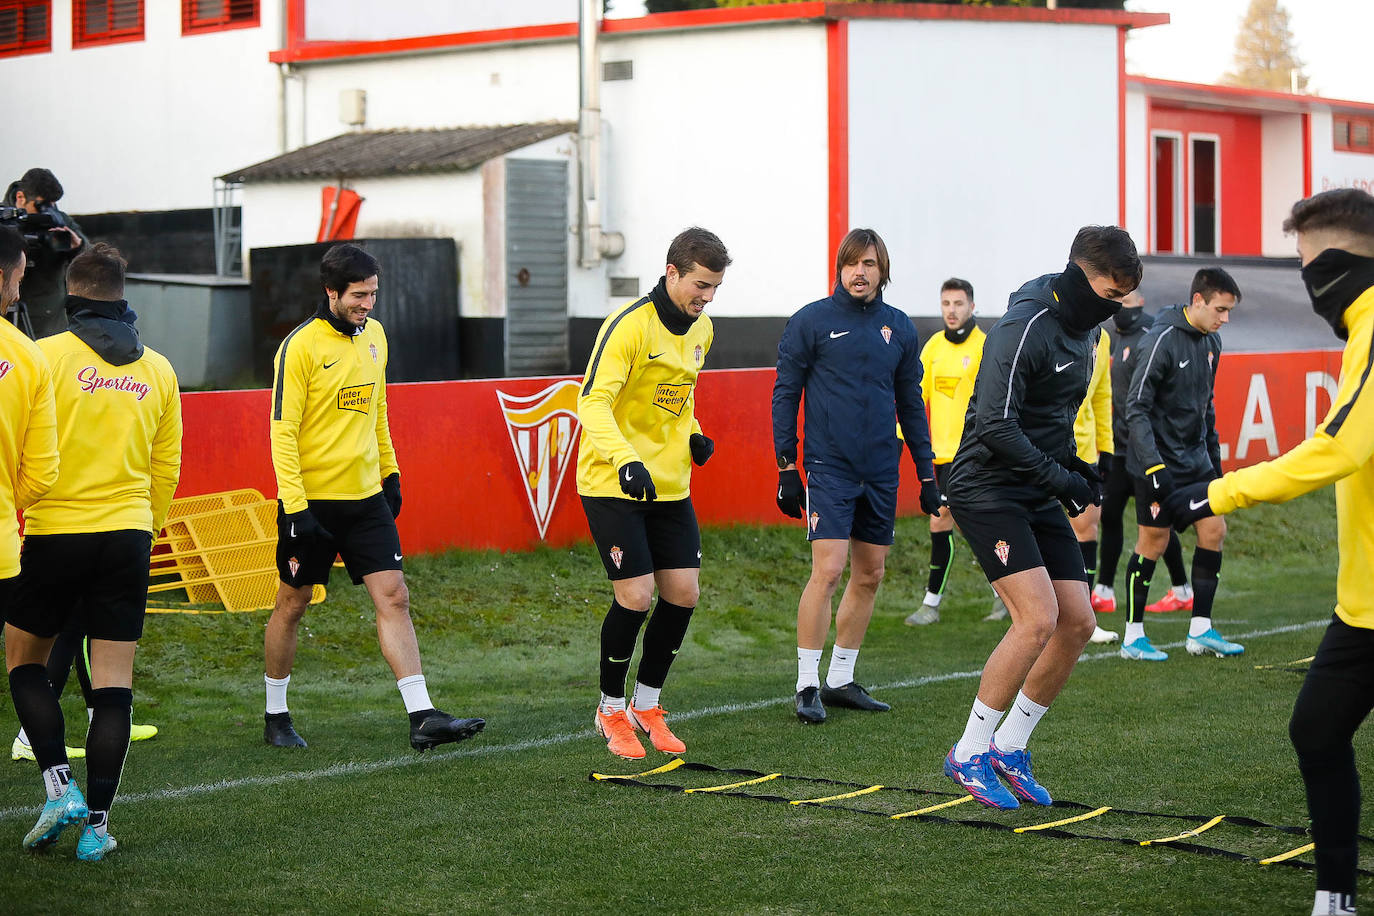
56, 816
977, 778
1015, 768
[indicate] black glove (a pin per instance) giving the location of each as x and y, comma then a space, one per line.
1104, 465
391, 492
791, 493
636, 482
932, 500
1078, 493
1161, 481
702, 448
299, 527
1089, 473
1216, 470
1188, 504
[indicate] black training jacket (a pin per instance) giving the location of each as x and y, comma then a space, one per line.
1125, 346
1169, 408
1019, 427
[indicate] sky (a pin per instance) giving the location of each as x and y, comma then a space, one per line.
1199, 43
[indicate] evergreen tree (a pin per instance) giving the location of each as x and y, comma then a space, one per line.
1265, 58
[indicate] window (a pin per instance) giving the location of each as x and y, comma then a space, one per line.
1353, 135
217, 15
25, 27
105, 22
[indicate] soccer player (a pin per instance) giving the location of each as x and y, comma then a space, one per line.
339, 492
1131, 324
88, 540
1335, 235
640, 437
1015, 466
1174, 442
1092, 432
949, 364
858, 360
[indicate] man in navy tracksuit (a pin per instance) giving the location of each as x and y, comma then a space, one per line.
858, 360
1016, 464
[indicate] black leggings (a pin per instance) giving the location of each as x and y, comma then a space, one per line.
1117, 490
1335, 698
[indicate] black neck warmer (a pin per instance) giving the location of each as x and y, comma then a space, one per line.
842, 296
345, 328
106, 327
674, 319
1080, 308
960, 334
1334, 279
1127, 320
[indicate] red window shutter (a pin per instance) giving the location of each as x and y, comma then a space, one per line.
25, 27
104, 22
217, 15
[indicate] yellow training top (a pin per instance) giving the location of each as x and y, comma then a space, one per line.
949, 371
1340, 451
28, 437
330, 437
1092, 428
119, 434
637, 401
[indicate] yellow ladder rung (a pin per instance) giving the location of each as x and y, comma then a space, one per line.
671, 765
920, 811
1067, 820
1283, 856
734, 785
830, 798
1183, 836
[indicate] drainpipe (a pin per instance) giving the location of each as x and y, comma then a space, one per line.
593, 244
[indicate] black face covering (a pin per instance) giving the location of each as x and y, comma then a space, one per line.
961, 333
1081, 308
1334, 279
1128, 319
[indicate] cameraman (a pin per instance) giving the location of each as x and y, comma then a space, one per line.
44, 289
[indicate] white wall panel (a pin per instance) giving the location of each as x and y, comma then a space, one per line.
375, 20
1336, 169
1280, 180
1137, 167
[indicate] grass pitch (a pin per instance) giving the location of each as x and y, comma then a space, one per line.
210, 819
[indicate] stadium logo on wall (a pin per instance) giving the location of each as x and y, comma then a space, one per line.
542, 430
887, 334
617, 555
1003, 550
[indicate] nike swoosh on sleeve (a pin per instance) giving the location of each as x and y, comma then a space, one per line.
1196, 504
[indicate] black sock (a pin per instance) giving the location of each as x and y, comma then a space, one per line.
1206, 573
941, 559
40, 715
1173, 559
619, 632
83, 671
1139, 571
106, 745
65, 648
662, 638
1089, 549
1109, 555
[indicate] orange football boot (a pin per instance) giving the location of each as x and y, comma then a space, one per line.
1103, 605
619, 734
1170, 602
650, 721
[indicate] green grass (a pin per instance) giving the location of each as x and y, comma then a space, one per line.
210, 819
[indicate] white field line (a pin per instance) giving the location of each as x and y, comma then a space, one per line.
485, 750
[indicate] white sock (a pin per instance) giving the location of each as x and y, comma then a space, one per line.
1199, 625
932, 599
612, 704
276, 693
808, 668
841, 670
982, 722
1182, 592
55, 780
1104, 591
414, 693
1016, 728
645, 697
1333, 903
22, 738
1134, 631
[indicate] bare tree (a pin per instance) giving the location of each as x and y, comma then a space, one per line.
1265, 57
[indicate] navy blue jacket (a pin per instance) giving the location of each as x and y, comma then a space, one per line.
860, 366
1169, 408
1018, 432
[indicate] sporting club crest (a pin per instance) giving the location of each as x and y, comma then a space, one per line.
967, 360
372, 348
1154, 510
542, 428
698, 355
295, 566
617, 555
814, 520
1125, 354
887, 334
1003, 550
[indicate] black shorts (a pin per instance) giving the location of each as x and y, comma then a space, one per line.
362, 531
1011, 539
840, 509
1150, 511
100, 579
942, 477
636, 538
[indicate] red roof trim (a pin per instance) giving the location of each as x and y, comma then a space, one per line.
299, 50
1241, 93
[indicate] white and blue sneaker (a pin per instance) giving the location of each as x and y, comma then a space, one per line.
1142, 650
1213, 642
92, 847
1015, 768
979, 779
56, 816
